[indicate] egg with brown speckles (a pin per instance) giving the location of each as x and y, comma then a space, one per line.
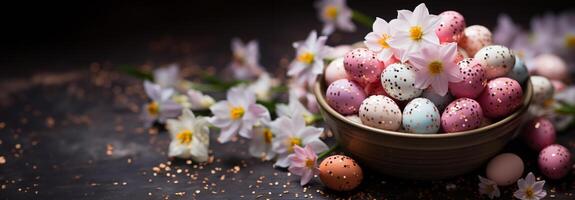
497, 60
474, 38
362, 66
380, 112
504, 169
473, 83
340, 173
555, 161
421, 116
398, 80
345, 96
501, 97
543, 89
451, 26
461, 115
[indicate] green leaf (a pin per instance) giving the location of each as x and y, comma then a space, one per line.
135, 72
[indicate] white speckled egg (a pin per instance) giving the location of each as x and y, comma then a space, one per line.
335, 71
421, 116
474, 38
440, 101
542, 89
551, 66
473, 75
505, 169
380, 112
496, 59
398, 80
519, 71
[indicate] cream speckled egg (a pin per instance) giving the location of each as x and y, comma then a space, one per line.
345, 96
461, 115
496, 59
555, 161
380, 112
543, 89
504, 169
451, 26
421, 116
398, 80
335, 71
362, 66
340, 173
550, 66
474, 38
519, 71
501, 97
440, 101
473, 83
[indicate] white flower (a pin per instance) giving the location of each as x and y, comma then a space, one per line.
435, 67
262, 87
161, 107
377, 40
308, 63
335, 14
488, 187
292, 132
261, 142
304, 95
294, 107
413, 30
167, 77
530, 189
239, 113
190, 137
194, 100
245, 63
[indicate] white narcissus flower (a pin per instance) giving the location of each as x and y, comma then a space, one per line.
303, 162
167, 77
335, 14
413, 30
294, 107
194, 100
377, 40
436, 67
308, 63
261, 142
488, 187
238, 114
190, 137
530, 189
292, 132
161, 107
245, 64
304, 95
262, 87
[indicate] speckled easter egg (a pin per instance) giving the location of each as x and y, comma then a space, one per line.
421, 116
375, 88
505, 169
539, 133
501, 97
519, 71
550, 66
461, 54
380, 112
451, 26
554, 161
543, 89
362, 66
440, 101
473, 75
345, 96
496, 59
474, 38
398, 80
335, 71
340, 173
461, 115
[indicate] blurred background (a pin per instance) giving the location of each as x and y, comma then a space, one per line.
51, 36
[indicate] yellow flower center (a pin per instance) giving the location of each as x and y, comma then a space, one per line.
185, 136
309, 163
570, 41
416, 33
308, 119
306, 57
383, 41
293, 142
237, 112
529, 193
268, 135
330, 12
153, 108
435, 67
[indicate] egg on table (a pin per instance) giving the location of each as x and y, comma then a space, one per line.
398, 80
345, 96
362, 66
543, 89
497, 60
554, 161
380, 112
501, 97
473, 83
421, 116
461, 115
474, 38
505, 169
539, 133
451, 26
550, 66
340, 173
335, 71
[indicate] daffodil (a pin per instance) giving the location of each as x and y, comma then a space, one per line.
245, 61
377, 40
292, 132
161, 107
335, 14
436, 67
190, 137
309, 63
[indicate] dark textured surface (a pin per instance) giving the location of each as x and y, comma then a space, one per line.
70, 130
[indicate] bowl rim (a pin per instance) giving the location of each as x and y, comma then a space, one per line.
320, 96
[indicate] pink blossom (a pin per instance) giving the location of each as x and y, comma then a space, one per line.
436, 67
303, 162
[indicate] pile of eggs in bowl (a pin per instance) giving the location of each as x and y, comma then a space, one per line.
383, 94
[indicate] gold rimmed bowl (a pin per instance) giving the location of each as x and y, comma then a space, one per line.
421, 156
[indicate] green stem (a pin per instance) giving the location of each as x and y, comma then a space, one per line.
362, 19
135, 72
329, 151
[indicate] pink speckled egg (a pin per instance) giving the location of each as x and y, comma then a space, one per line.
375, 88
398, 80
501, 97
554, 161
335, 71
504, 169
497, 60
380, 112
362, 66
451, 26
473, 82
345, 96
539, 133
461, 115
550, 66
474, 38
